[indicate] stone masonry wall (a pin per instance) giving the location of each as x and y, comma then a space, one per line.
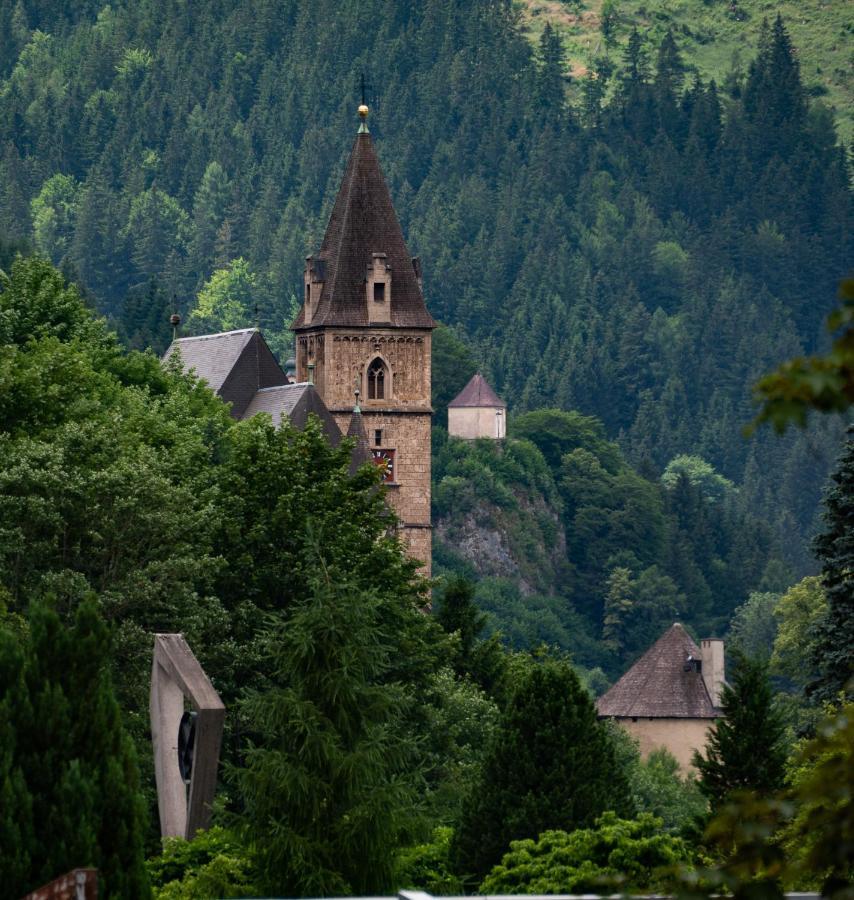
403, 417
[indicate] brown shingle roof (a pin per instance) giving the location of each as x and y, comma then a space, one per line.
364, 222
658, 685
477, 393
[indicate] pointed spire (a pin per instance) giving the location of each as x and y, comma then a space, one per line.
477, 393
362, 451
364, 223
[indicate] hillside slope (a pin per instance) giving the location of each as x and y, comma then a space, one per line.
643, 258
716, 37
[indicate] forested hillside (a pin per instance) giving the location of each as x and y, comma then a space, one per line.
643, 260
718, 38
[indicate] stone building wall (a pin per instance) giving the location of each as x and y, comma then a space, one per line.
680, 736
401, 421
472, 422
341, 358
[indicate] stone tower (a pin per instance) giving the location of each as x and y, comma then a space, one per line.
364, 326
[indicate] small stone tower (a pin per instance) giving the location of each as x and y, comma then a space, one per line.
477, 412
364, 326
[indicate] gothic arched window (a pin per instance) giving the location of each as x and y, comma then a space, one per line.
377, 376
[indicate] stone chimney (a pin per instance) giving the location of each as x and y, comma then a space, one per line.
712, 655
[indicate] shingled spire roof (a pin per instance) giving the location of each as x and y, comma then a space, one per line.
662, 683
477, 393
364, 222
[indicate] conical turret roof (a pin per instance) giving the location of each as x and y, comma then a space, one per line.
362, 451
477, 393
661, 684
363, 222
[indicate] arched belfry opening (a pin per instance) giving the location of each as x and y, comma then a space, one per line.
379, 380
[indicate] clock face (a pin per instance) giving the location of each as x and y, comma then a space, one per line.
385, 461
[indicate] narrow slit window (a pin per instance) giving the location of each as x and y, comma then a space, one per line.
379, 292
308, 293
378, 436
376, 380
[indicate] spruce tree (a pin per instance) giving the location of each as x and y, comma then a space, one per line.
69, 785
552, 765
746, 749
328, 785
833, 653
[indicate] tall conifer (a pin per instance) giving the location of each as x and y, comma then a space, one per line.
745, 750
69, 785
552, 765
834, 645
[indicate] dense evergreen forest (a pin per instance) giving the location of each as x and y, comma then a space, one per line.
623, 267
643, 257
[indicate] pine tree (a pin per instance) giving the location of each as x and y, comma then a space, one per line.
552, 765
833, 654
69, 785
328, 785
746, 749
458, 612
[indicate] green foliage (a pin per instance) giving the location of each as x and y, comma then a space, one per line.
798, 613
700, 474
69, 785
834, 632
213, 864
226, 301
798, 839
614, 855
698, 228
753, 630
457, 612
660, 788
462, 720
551, 765
745, 750
214, 516
557, 433
819, 841
427, 867
54, 211
329, 780
823, 383
452, 368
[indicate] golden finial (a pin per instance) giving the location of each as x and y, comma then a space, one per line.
363, 115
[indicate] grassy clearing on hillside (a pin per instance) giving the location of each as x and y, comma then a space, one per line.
716, 36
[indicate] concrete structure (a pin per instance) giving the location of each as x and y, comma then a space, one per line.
671, 696
477, 412
364, 326
176, 676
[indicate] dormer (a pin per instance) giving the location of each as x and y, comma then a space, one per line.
313, 279
378, 290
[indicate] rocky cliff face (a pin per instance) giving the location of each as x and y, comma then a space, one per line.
496, 510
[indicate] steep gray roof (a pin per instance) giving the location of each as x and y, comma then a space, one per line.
658, 685
295, 402
477, 393
235, 364
212, 356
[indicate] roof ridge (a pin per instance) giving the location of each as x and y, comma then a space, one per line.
215, 334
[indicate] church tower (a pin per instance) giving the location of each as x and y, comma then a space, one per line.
364, 327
